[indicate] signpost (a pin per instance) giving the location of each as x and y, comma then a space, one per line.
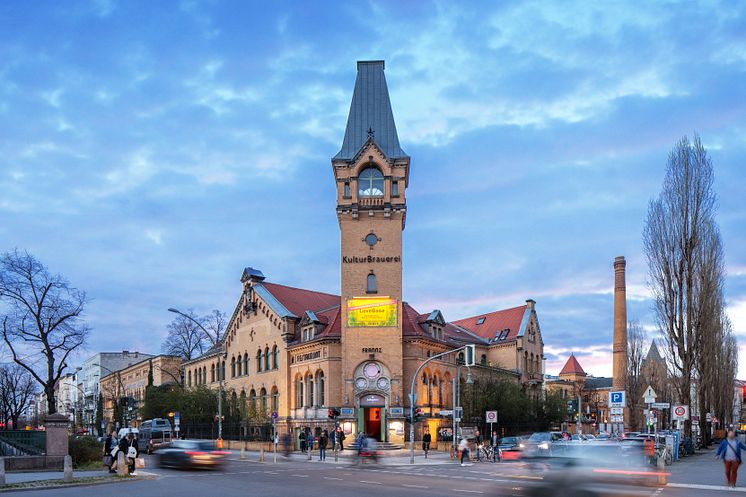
274, 436
680, 413
177, 422
649, 398
490, 417
617, 400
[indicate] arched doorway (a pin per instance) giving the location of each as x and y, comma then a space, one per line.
372, 416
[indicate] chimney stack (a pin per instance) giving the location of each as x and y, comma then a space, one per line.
619, 381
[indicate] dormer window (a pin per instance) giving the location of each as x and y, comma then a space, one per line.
503, 335
370, 182
481, 320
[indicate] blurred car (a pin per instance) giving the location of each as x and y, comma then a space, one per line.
191, 454
590, 437
543, 444
508, 443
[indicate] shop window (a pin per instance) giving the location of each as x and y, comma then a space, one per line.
372, 286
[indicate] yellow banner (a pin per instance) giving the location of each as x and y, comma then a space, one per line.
375, 312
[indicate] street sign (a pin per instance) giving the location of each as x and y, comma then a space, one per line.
616, 419
680, 412
617, 399
346, 412
617, 411
177, 418
695, 422
649, 395
445, 412
661, 405
274, 414
459, 412
490, 416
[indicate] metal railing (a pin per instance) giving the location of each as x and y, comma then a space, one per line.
28, 441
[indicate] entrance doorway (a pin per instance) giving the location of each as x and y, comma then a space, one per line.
372, 422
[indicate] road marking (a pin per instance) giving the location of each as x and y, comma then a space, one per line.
413, 486
467, 491
300, 476
371, 482
706, 487
331, 478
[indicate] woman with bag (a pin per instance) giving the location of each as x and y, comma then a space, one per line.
110, 450
131, 451
730, 452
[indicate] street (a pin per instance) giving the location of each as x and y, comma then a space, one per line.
311, 479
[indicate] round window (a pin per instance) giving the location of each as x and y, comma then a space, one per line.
371, 239
382, 383
371, 370
361, 383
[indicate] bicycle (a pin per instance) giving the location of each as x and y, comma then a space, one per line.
487, 451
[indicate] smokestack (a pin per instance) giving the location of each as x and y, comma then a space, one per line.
619, 381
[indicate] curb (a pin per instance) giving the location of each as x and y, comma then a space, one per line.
81, 483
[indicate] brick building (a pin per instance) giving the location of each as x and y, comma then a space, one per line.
299, 352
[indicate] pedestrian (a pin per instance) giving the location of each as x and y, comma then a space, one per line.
302, 440
495, 443
426, 439
463, 446
309, 440
323, 441
730, 452
110, 444
478, 444
341, 437
128, 445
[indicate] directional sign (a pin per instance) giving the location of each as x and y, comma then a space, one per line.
490, 416
661, 405
617, 399
680, 412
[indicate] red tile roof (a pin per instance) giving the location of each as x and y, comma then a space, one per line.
299, 301
332, 319
495, 322
572, 366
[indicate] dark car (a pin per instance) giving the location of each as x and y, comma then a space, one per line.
508, 443
543, 444
187, 454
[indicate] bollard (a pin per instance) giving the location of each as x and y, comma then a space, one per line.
336, 453
68, 469
122, 468
261, 453
2, 471
662, 478
243, 453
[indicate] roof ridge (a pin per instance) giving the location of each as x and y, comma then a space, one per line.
301, 289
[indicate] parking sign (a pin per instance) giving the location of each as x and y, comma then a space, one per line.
617, 399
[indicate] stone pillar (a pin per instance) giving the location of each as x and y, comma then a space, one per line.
56, 426
619, 381
68, 470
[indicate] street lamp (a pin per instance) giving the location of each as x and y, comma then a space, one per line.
220, 372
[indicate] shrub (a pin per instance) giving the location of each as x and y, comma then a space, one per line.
84, 450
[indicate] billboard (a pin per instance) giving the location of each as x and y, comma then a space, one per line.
375, 312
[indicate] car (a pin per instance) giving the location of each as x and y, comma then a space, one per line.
590, 437
191, 454
542, 444
508, 443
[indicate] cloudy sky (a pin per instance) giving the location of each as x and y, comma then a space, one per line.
151, 150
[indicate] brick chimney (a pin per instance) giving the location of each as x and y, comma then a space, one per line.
619, 381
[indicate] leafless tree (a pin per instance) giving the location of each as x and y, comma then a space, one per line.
41, 319
635, 358
214, 323
17, 388
675, 240
186, 338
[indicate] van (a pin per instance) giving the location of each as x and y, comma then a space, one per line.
154, 434
123, 432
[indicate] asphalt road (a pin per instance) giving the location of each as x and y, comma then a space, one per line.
314, 479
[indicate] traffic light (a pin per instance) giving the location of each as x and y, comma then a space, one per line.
333, 413
469, 355
419, 415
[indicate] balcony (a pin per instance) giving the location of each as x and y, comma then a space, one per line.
371, 201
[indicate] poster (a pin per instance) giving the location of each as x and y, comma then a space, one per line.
375, 312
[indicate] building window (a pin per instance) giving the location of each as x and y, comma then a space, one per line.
371, 239
483, 360
212, 373
275, 354
370, 183
481, 320
460, 358
275, 400
189, 379
259, 361
346, 192
372, 286
298, 392
222, 371
204, 374
246, 363
263, 400
239, 369
252, 400
320, 382
266, 358
394, 188
309, 391
233, 367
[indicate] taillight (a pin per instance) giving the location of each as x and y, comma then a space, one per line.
220, 452
195, 453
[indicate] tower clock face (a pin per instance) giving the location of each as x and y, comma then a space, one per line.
372, 370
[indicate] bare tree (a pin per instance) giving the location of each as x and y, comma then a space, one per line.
635, 358
186, 338
42, 319
214, 323
17, 388
675, 237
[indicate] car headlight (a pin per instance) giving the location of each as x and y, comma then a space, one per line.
521, 446
544, 445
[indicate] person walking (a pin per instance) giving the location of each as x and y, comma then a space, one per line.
302, 440
109, 454
341, 438
128, 445
478, 444
309, 439
730, 452
463, 446
323, 441
426, 439
495, 443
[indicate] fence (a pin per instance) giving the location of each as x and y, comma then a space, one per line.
232, 430
29, 442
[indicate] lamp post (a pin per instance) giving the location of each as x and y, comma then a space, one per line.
125, 416
220, 372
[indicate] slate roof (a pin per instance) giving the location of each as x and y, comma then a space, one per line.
572, 366
495, 322
594, 383
654, 354
370, 110
298, 300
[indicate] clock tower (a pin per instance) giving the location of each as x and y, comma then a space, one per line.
372, 173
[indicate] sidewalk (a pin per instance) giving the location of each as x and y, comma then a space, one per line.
349, 456
13, 478
701, 469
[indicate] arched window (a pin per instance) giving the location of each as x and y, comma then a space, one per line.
372, 285
309, 391
239, 368
460, 359
483, 360
275, 399
320, 383
198, 376
275, 354
222, 371
263, 400
259, 361
266, 358
189, 379
298, 392
233, 367
212, 373
204, 374
252, 400
246, 363
370, 182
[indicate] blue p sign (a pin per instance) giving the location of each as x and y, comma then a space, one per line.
616, 397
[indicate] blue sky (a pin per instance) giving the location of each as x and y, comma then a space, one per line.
151, 150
